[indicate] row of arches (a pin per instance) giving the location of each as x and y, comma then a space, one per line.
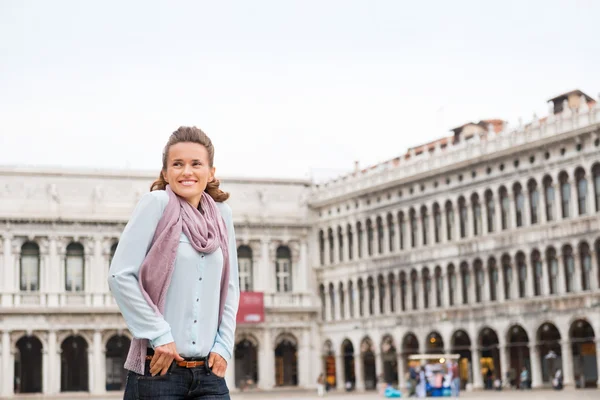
509, 207
74, 366
540, 272
481, 358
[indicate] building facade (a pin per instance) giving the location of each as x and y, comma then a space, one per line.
485, 244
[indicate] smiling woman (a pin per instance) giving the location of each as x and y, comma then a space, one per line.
174, 276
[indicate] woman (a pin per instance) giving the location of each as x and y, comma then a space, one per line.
174, 277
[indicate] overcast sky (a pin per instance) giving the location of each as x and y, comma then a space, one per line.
283, 88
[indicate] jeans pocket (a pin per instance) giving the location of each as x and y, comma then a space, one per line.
155, 387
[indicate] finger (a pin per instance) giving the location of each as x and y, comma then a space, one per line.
158, 364
165, 369
178, 357
211, 360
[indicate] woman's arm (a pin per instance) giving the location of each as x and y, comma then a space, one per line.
224, 341
134, 243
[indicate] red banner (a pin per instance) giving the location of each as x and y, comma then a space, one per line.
251, 309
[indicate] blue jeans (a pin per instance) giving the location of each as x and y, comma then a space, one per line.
177, 384
455, 387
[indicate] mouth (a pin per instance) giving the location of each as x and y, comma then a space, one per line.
188, 182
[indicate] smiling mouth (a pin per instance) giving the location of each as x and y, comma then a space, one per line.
187, 182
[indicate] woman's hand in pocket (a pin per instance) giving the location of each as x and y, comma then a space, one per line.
163, 358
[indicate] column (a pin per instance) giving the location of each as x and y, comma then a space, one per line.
99, 357
477, 376
497, 212
327, 249
8, 271
418, 230
409, 294
573, 203
594, 284
304, 364
443, 225
358, 371
530, 288
45, 370
347, 297
577, 271
473, 285
542, 210
92, 370
356, 299
336, 250
266, 366
444, 290
512, 219
500, 293
561, 281
469, 220
328, 314
377, 296
401, 372
53, 267
52, 373
266, 270
303, 267
545, 277
514, 282
386, 236
567, 357
589, 199
526, 208
536, 367
504, 361
456, 211
340, 383
458, 297
354, 242
8, 370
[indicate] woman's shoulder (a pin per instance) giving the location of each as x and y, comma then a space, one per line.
225, 210
155, 201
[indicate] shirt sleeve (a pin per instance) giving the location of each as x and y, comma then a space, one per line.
143, 322
224, 341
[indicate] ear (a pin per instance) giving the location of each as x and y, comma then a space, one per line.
212, 174
164, 175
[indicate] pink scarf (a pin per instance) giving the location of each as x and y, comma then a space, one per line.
206, 231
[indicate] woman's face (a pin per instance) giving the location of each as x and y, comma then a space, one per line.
188, 171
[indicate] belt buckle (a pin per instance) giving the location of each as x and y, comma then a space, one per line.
190, 364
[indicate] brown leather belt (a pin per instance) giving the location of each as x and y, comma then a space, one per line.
185, 364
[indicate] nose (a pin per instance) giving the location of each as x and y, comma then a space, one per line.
187, 169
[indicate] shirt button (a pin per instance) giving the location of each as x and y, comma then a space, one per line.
195, 321
193, 342
197, 300
202, 255
200, 278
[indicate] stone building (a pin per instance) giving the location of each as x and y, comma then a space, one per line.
485, 244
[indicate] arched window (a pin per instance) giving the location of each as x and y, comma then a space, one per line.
569, 265
449, 220
403, 289
331, 245
370, 237
342, 300
74, 267
425, 224
493, 279
332, 301
549, 196
465, 278
414, 286
283, 269
402, 233
379, 235
477, 221
359, 232
439, 286
391, 232
361, 298
351, 299
581, 190
426, 287
504, 207
340, 243
413, 227
437, 222
538, 274
596, 173
479, 280
565, 194
371, 294
522, 273
321, 247
451, 284
519, 204
350, 241
323, 302
508, 275
462, 210
245, 268
30, 267
491, 210
586, 265
392, 289
534, 201
381, 288
552, 270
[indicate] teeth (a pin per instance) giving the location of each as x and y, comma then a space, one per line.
187, 183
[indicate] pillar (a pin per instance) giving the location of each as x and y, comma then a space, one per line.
576, 271
543, 203
266, 270
401, 372
339, 373
266, 364
53, 371
358, 372
504, 364
477, 375
304, 364
7, 278
567, 357
536, 367
99, 361
8, 370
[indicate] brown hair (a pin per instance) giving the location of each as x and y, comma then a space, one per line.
187, 134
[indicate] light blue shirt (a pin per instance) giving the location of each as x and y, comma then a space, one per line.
192, 304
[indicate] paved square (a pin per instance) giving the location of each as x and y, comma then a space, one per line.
507, 394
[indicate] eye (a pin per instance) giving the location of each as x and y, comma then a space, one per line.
176, 164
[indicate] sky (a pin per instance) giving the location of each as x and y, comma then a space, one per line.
284, 88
